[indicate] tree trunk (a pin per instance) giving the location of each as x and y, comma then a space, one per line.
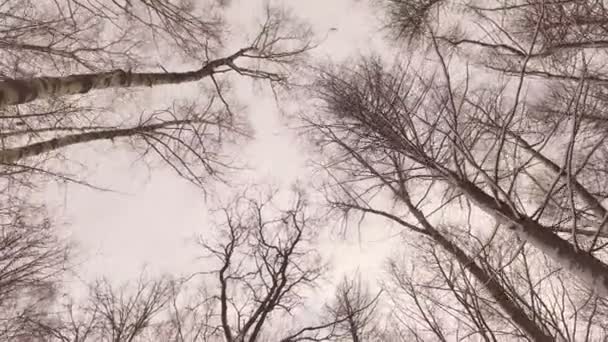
496, 290
584, 265
11, 155
491, 284
17, 91
594, 204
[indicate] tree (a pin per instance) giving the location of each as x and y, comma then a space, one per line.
434, 297
378, 108
56, 58
355, 302
266, 269
390, 131
187, 132
441, 138
32, 263
17, 91
266, 261
353, 199
108, 313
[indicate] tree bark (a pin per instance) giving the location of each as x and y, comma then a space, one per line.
496, 290
17, 91
12, 155
584, 265
594, 204
490, 282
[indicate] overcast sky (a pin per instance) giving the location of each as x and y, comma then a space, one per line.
153, 218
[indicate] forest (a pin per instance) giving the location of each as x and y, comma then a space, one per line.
353, 170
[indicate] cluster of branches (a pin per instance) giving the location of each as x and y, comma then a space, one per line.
266, 270
68, 70
67, 35
43, 104
501, 184
500, 181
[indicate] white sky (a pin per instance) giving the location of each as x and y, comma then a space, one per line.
154, 219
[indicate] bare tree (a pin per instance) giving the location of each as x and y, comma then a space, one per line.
65, 35
433, 296
415, 139
32, 262
381, 109
555, 40
266, 265
276, 43
447, 136
108, 313
266, 260
39, 118
520, 322
124, 316
17, 91
188, 26
357, 304
192, 315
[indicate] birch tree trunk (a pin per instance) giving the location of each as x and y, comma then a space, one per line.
594, 204
495, 289
17, 91
514, 311
489, 282
581, 263
350, 98
12, 155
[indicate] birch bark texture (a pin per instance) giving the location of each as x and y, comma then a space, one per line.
516, 313
18, 91
12, 155
368, 110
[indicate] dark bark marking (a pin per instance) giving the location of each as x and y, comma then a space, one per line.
24, 91
87, 84
122, 77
